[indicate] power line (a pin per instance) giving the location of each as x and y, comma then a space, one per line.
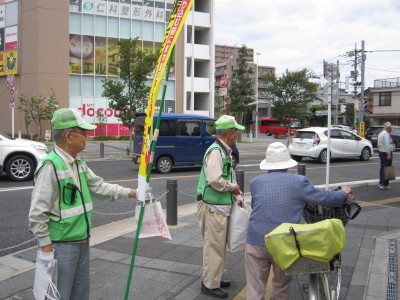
384, 70
383, 51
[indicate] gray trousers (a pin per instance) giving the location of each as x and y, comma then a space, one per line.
258, 263
73, 282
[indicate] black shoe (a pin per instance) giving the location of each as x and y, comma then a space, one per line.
225, 284
217, 293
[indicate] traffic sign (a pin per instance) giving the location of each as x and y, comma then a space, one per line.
12, 95
321, 113
223, 91
331, 71
223, 81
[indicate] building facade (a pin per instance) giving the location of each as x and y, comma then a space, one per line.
223, 53
71, 47
257, 78
386, 101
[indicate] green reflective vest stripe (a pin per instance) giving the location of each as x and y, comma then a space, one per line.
210, 195
75, 220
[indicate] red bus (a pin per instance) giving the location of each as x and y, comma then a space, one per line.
271, 126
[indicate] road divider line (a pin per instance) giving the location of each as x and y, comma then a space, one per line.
380, 202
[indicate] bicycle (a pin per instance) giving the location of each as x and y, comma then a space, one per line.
324, 278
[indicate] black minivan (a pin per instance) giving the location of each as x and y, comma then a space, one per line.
372, 135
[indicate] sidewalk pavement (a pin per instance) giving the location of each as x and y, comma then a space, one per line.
172, 269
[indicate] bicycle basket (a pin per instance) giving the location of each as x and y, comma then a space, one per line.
312, 215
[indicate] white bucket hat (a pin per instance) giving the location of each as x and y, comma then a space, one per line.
277, 158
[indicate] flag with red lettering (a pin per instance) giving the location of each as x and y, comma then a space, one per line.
177, 19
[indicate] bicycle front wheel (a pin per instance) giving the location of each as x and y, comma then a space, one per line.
326, 286
334, 278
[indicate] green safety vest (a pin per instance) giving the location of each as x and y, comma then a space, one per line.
75, 220
208, 194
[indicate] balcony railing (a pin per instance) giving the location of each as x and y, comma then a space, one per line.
387, 83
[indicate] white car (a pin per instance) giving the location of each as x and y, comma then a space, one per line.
312, 142
19, 158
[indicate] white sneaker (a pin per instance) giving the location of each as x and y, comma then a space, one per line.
382, 187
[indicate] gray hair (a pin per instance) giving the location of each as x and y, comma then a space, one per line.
387, 125
59, 134
221, 132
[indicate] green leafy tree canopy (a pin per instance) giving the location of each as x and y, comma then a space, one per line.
129, 95
292, 92
37, 109
241, 90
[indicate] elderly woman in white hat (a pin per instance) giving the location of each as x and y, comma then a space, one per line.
278, 197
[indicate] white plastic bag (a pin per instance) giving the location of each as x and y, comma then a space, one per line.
153, 223
237, 228
45, 284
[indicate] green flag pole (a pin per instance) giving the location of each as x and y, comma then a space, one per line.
149, 168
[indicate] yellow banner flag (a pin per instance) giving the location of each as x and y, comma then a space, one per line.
177, 19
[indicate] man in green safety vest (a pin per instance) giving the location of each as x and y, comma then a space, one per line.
60, 215
216, 191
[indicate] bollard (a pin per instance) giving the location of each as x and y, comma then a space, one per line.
301, 169
240, 179
101, 150
172, 202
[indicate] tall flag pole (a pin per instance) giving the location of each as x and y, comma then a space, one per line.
176, 21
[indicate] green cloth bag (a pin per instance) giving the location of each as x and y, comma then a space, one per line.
320, 241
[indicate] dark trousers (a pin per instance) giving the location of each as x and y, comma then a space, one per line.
384, 163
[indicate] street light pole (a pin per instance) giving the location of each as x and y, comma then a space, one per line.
256, 129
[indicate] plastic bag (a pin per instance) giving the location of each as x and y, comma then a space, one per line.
153, 223
237, 228
45, 284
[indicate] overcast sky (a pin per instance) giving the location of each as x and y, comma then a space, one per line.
293, 34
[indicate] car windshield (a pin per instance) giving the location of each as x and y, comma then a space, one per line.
5, 136
374, 130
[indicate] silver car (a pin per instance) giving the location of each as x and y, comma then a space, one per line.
312, 142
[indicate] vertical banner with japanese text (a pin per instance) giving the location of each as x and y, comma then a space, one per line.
177, 19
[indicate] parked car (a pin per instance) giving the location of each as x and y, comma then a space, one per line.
19, 158
372, 135
183, 140
312, 142
345, 127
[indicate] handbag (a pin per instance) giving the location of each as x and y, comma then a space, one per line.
45, 284
153, 222
389, 173
320, 241
237, 228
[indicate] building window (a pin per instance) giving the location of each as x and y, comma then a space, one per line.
385, 99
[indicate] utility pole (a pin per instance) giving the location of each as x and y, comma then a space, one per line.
361, 108
257, 112
337, 102
355, 85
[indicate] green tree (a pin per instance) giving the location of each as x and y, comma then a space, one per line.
51, 105
130, 95
219, 109
102, 120
37, 109
241, 90
292, 93
315, 120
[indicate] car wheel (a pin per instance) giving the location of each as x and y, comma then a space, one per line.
20, 168
365, 154
297, 158
322, 156
164, 164
268, 133
234, 161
